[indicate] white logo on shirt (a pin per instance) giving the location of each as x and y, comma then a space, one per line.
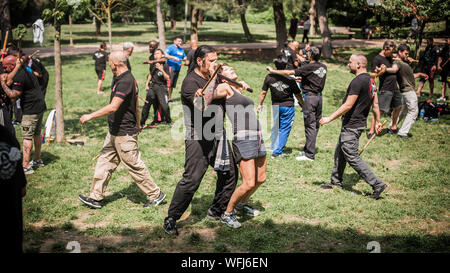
98, 55
320, 72
280, 86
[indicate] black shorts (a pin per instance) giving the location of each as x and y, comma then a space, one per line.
100, 73
174, 78
388, 99
443, 76
248, 148
427, 70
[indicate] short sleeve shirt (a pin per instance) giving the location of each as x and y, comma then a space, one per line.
313, 76
178, 52
281, 89
100, 57
32, 98
123, 121
157, 75
291, 56
365, 87
388, 81
405, 76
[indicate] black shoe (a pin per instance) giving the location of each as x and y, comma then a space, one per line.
155, 202
212, 216
170, 226
330, 185
407, 136
392, 132
377, 191
90, 202
369, 135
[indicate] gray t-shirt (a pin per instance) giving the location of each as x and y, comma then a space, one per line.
405, 77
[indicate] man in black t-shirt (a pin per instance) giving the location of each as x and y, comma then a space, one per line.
430, 59
101, 57
444, 67
201, 143
389, 96
26, 87
40, 72
291, 53
361, 95
282, 89
157, 89
121, 141
313, 77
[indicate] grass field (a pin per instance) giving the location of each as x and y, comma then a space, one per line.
297, 215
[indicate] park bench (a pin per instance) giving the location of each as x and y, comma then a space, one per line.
342, 30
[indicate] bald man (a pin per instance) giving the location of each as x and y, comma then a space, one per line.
361, 95
121, 141
26, 86
291, 52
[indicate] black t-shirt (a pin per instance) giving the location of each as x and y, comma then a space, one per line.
294, 25
190, 56
100, 57
388, 81
128, 64
157, 76
241, 112
32, 98
431, 55
123, 121
37, 66
313, 76
281, 89
445, 55
363, 86
191, 83
291, 56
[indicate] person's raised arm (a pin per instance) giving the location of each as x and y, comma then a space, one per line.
421, 75
11, 93
280, 72
349, 102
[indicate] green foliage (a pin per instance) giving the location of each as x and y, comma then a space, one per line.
56, 14
20, 31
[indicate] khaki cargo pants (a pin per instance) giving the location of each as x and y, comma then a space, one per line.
123, 149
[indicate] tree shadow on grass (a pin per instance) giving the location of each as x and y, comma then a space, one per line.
48, 158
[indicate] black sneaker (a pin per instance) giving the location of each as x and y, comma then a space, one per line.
377, 191
402, 136
392, 132
330, 185
155, 202
170, 226
212, 216
90, 202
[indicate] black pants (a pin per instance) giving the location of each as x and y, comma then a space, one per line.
5, 118
152, 101
199, 155
162, 98
312, 113
305, 36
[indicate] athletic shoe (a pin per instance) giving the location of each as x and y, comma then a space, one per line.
230, 220
155, 202
170, 226
90, 202
28, 170
377, 191
441, 99
303, 158
37, 163
153, 124
211, 216
402, 136
277, 156
244, 208
369, 135
331, 185
392, 132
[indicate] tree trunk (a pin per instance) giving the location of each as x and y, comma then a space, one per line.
5, 20
108, 12
419, 38
70, 30
173, 21
230, 22
161, 32
312, 18
194, 29
242, 10
327, 50
280, 24
98, 26
60, 138
186, 6
200, 16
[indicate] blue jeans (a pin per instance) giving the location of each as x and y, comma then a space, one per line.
283, 118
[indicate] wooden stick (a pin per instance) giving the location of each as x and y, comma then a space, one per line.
207, 83
32, 54
370, 140
96, 157
144, 100
5, 42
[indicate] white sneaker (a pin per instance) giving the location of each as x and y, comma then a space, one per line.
303, 158
441, 99
302, 153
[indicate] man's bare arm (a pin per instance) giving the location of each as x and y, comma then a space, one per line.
106, 110
11, 93
351, 99
280, 72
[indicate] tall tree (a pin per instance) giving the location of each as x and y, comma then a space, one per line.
327, 50
5, 20
173, 6
194, 20
160, 22
55, 14
242, 10
280, 24
105, 7
312, 18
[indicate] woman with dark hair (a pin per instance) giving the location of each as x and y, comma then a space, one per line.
248, 145
203, 147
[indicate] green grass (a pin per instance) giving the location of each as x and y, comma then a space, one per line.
297, 215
